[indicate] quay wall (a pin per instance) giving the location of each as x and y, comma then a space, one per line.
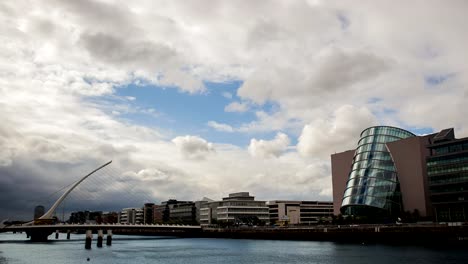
414, 234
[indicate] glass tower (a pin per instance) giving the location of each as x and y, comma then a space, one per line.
373, 188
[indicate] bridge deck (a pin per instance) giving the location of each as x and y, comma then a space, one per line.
98, 227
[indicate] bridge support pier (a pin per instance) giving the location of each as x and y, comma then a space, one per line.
100, 238
56, 234
38, 235
89, 239
109, 237
68, 234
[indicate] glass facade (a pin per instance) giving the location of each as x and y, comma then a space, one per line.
447, 170
373, 187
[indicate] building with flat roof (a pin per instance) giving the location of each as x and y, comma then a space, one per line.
183, 213
300, 212
447, 170
237, 208
131, 216
394, 171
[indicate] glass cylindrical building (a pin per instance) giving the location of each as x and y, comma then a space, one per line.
373, 187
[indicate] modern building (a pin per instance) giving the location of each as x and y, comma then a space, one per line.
300, 212
393, 171
110, 217
38, 211
162, 212
447, 170
131, 216
148, 213
237, 208
85, 217
183, 213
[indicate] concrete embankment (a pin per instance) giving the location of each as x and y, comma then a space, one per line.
411, 234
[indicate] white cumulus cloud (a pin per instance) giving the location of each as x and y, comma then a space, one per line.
337, 133
269, 148
193, 147
220, 127
237, 107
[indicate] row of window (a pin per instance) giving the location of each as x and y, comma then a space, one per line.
374, 164
450, 198
230, 210
452, 213
436, 161
377, 139
376, 190
449, 188
373, 173
366, 200
372, 147
370, 182
447, 169
366, 155
449, 178
451, 148
251, 203
370, 192
391, 131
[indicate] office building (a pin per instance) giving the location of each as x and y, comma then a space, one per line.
300, 212
393, 171
38, 211
131, 216
162, 212
236, 209
148, 213
183, 213
447, 169
85, 217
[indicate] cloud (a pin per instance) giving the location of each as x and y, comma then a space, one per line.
227, 95
220, 127
319, 63
338, 133
150, 174
337, 69
193, 147
268, 149
237, 107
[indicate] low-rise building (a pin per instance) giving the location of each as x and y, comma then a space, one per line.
237, 208
131, 216
148, 213
300, 212
183, 213
86, 217
162, 212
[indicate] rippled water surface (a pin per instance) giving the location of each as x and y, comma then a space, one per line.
15, 248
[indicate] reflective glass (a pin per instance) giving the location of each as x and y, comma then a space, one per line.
378, 155
373, 180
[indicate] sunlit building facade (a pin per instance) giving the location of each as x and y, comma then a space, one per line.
237, 208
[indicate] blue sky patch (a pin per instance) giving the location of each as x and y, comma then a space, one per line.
433, 80
188, 114
344, 21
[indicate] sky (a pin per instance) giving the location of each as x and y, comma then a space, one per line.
194, 99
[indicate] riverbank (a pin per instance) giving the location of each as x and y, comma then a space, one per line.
392, 234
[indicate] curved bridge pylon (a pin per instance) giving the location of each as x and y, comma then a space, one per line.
50, 212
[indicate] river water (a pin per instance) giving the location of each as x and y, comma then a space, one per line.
15, 248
